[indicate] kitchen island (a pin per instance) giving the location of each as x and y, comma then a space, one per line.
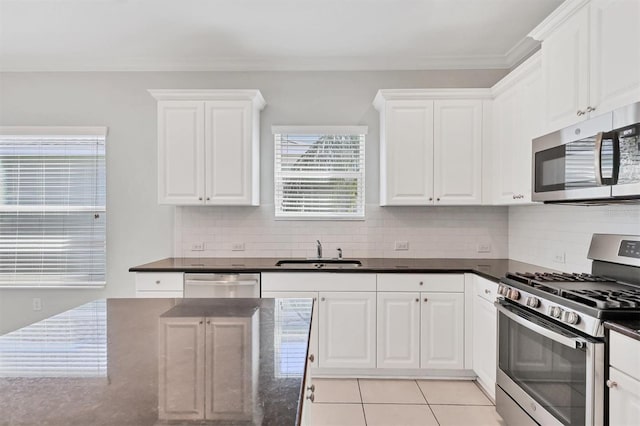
159, 361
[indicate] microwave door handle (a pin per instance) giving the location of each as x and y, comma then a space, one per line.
598, 158
573, 343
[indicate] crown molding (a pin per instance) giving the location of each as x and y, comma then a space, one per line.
533, 63
252, 95
563, 12
384, 95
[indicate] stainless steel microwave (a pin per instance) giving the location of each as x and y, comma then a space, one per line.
596, 161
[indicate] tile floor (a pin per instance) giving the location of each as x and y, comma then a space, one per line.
372, 402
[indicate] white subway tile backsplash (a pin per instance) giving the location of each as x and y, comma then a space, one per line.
537, 232
431, 232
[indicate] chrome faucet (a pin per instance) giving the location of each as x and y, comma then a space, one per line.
319, 249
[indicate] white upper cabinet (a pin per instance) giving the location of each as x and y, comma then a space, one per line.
457, 166
591, 59
431, 146
517, 119
208, 146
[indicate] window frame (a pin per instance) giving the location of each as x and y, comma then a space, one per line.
53, 132
360, 131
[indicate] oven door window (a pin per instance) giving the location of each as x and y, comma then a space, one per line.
550, 372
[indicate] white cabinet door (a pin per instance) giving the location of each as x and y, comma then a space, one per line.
231, 368
347, 328
406, 153
313, 338
565, 65
398, 335
180, 152
442, 331
507, 109
615, 54
484, 343
228, 152
181, 364
624, 399
457, 152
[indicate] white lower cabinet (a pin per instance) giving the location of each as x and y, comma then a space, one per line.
159, 284
624, 380
442, 331
398, 330
347, 330
485, 317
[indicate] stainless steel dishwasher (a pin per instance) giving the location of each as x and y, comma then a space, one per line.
221, 285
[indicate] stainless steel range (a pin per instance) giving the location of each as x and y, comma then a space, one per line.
551, 346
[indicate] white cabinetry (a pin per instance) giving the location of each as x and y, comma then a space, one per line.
159, 284
590, 59
431, 146
517, 119
624, 380
208, 146
485, 333
421, 329
347, 329
345, 316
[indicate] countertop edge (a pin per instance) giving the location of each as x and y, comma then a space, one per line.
623, 329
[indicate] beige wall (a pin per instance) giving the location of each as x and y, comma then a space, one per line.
138, 229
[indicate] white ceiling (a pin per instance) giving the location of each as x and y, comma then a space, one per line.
54, 35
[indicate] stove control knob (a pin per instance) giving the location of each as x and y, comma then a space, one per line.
513, 294
533, 302
502, 290
555, 311
570, 317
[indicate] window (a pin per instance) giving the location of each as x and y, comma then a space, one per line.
319, 172
52, 207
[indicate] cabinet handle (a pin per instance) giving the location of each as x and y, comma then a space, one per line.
421, 283
157, 281
417, 299
201, 322
430, 198
208, 198
311, 397
311, 358
311, 388
200, 198
590, 108
437, 199
425, 299
208, 322
611, 384
322, 299
486, 291
579, 113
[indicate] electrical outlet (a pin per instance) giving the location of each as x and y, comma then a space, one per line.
237, 247
402, 245
37, 304
484, 248
559, 257
197, 247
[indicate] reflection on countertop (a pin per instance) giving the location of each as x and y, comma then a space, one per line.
492, 269
136, 362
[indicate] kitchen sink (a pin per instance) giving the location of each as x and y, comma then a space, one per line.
316, 263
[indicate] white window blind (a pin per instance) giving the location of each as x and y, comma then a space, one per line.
70, 344
319, 171
52, 209
291, 336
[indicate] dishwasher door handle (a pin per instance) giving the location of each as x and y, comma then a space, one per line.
229, 283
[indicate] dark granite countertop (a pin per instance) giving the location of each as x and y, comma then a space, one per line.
630, 328
107, 363
492, 269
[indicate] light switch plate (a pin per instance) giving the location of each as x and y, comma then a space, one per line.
237, 247
37, 304
559, 257
197, 247
484, 248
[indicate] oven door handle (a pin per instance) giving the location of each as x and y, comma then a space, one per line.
574, 343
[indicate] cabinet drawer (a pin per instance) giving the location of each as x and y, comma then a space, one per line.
623, 354
317, 281
446, 283
485, 289
161, 281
